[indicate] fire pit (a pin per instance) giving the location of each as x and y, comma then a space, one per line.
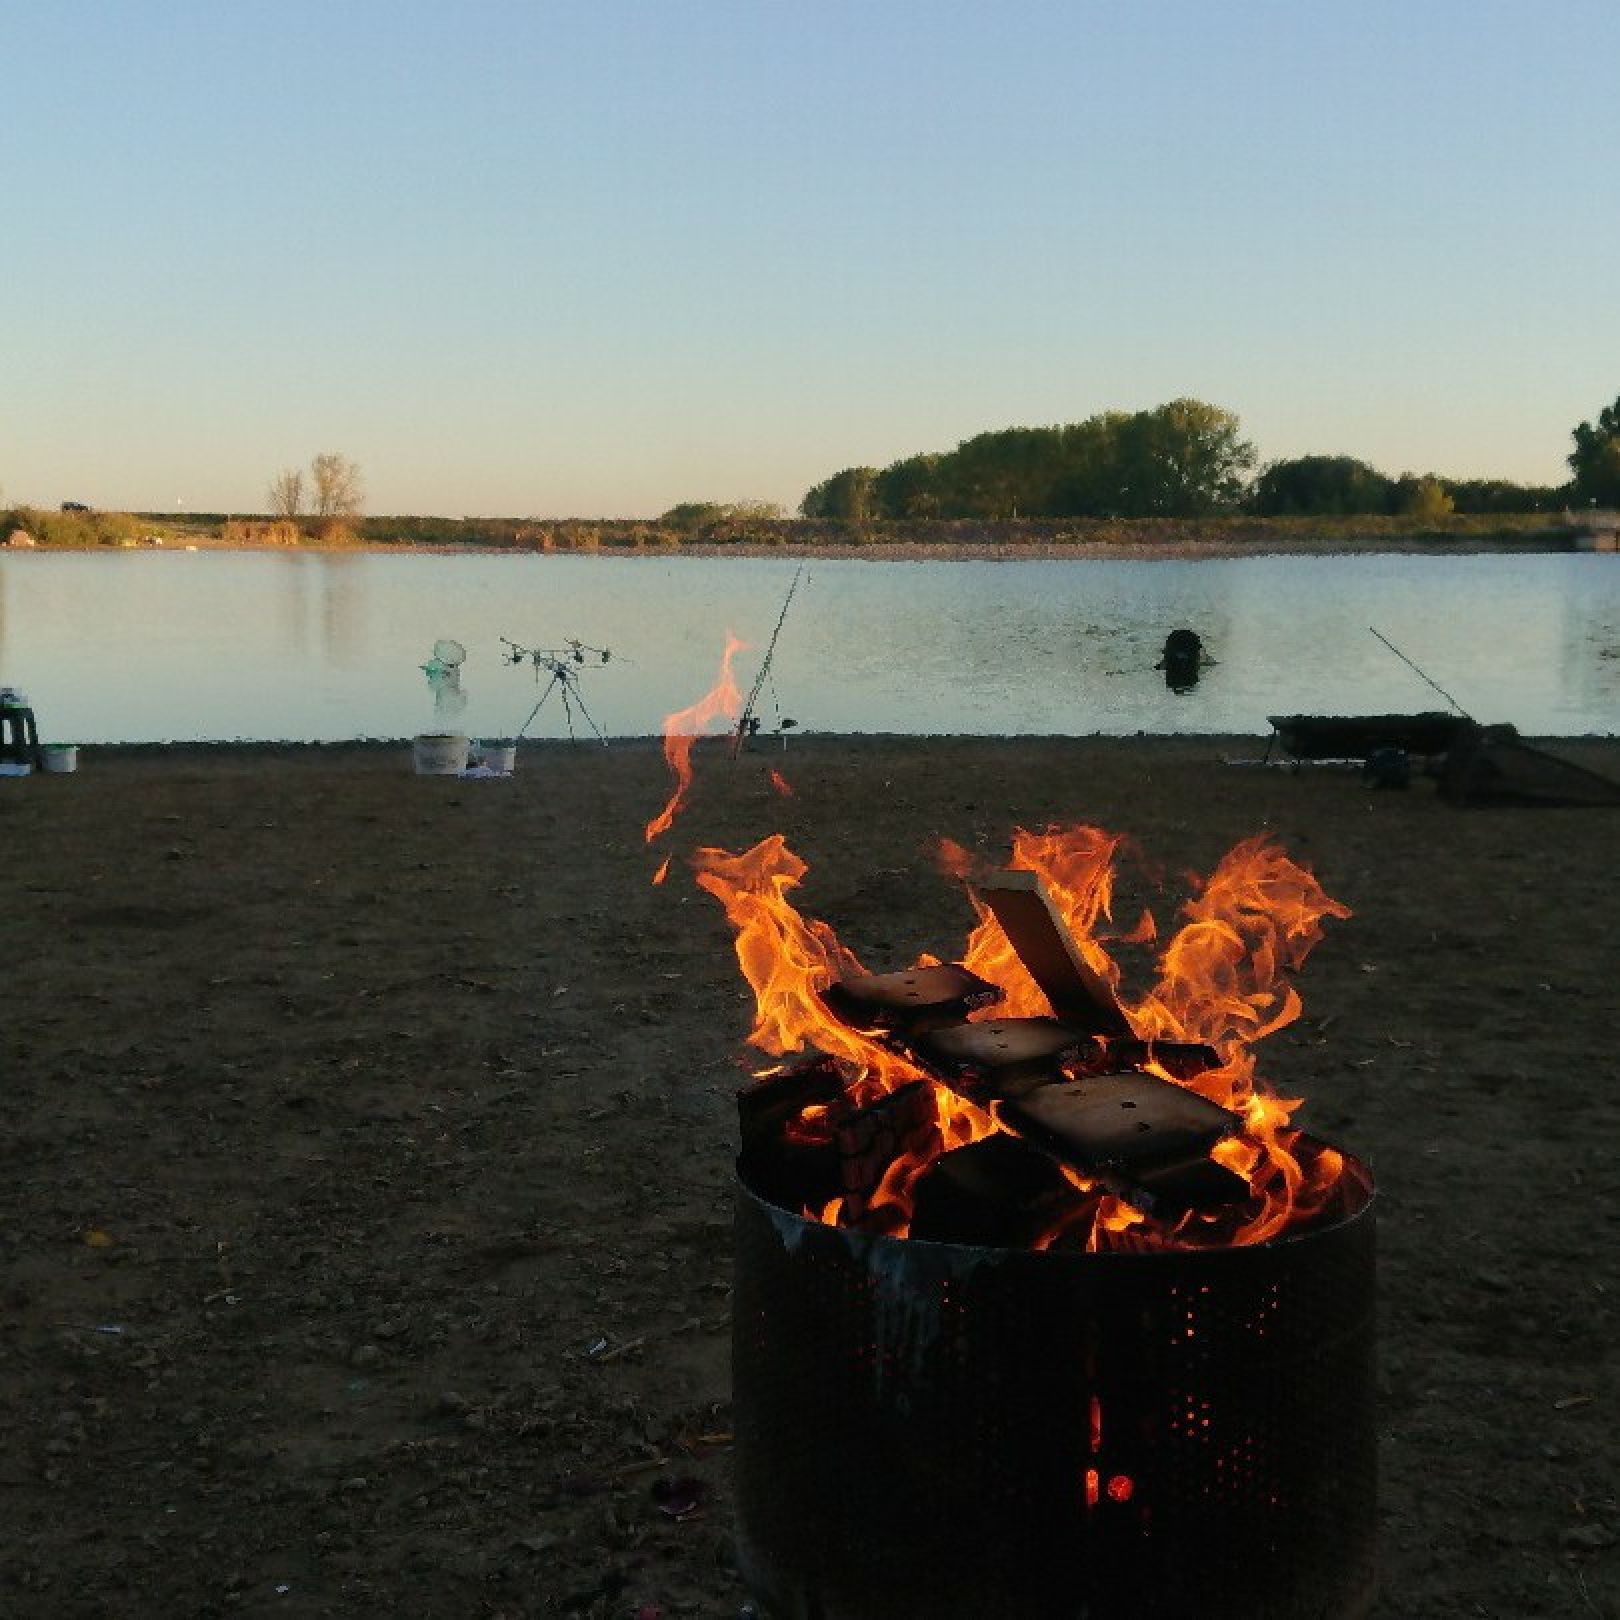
938, 1429
1044, 1316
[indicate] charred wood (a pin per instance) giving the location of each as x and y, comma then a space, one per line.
996, 1193
1169, 1191
870, 1139
1181, 1060
790, 1164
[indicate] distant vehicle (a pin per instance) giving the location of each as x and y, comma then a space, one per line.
75, 506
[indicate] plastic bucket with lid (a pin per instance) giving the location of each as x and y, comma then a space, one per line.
443, 754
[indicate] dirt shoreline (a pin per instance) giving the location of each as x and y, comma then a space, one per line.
349, 1110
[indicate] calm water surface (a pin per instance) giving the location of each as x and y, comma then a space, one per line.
155, 646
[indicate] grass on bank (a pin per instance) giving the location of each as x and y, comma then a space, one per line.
84, 530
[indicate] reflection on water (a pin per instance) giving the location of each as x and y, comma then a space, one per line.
142, 646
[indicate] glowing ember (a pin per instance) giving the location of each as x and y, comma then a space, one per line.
1219, 982
683, 728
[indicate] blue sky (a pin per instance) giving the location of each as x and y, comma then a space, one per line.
598, 258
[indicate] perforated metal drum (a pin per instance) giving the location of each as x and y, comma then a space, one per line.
933, 1429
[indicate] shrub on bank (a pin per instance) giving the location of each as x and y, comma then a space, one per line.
739, 527
73, 529
261, 532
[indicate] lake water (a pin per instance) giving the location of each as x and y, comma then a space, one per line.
155, 646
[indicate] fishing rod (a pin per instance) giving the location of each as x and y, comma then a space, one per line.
747, 725
1419, 673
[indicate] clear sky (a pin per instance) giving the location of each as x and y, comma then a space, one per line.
596, 258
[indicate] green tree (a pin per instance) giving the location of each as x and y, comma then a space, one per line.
912, 488
1501, 495
1014, 472
1185, 459
1319, 486
1595, 460
849, 496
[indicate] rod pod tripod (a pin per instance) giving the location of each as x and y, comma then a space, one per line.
564, 681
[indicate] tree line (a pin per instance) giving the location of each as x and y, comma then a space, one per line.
1185, 459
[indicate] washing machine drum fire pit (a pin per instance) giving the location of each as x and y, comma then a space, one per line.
935, 1429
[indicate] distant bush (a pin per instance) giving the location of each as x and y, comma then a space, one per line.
74, 529
694, 517
1425, 499
332, 531
578, 537
261, 532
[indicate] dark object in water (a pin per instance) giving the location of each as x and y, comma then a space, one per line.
1493, 765
1358, 736
1181, 660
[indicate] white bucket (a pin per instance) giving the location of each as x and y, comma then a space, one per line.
500, 756
441, 755
60, 758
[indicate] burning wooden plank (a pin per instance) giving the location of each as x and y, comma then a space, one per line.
1077, 993
1118, 1120
1006, 1056
1147, 1139
916, 999
1181, 1060
1001, 1057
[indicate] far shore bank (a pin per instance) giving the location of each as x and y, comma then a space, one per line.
1188, 550
1009, 540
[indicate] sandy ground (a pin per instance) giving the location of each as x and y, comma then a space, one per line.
347, 1111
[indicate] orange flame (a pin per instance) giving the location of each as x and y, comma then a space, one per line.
1076, 864
683, 728
1219, 982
